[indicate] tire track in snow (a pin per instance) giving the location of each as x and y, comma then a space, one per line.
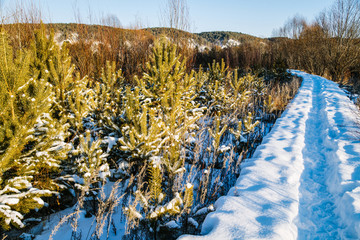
317, 218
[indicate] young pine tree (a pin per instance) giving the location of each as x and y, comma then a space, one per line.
29, 139
160, 122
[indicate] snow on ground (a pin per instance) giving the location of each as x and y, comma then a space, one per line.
231, 43
303, 182
86, 226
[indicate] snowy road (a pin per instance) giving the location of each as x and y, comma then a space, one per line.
303, 182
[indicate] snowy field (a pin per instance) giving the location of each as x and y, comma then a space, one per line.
303, 182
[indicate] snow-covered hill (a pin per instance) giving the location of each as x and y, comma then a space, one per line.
303, 182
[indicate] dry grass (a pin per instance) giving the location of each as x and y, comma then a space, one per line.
281, 94
105, 207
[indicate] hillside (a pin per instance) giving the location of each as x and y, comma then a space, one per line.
67, 31
222, 37
203, 38
159, 31
214, 37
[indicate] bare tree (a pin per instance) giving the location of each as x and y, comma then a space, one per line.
311, 48
111, 20
290, 46
292, 28
341, 23
176, 15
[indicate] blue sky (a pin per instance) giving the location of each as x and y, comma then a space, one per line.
256, 17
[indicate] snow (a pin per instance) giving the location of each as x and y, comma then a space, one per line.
231, 43
180, 170
26, 236
153, 215
156, 161
224, 148
86, 226
172, 224
303, 182
9, 200
72, 178
110, 141
204, 210
193, 222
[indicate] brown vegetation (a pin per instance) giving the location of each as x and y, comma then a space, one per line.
329, 46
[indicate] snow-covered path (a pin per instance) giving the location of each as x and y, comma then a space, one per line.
316, 206
303, 182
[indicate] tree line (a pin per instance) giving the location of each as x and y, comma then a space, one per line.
328, 46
